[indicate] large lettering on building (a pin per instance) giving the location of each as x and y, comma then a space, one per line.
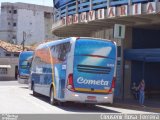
111, 12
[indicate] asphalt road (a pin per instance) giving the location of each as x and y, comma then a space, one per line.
16, 98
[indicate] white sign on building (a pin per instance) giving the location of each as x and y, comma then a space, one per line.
119, 31
111, 12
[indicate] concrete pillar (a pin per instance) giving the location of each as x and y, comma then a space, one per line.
76, 6
130, 6
66, 10
127, 64
91, 6
129, 2
108, 3
156, 1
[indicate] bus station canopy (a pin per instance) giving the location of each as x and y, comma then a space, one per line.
145, 55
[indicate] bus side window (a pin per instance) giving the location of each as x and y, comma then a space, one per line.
36, 65
65, 48
61, 51
33, 68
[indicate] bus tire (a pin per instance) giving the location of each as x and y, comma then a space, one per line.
34, 93
52, 100
90, 105
61, 104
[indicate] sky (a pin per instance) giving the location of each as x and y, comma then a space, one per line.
38, 2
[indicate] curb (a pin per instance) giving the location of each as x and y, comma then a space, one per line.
136, 107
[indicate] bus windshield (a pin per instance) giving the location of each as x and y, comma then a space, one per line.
24, 64
95, 48
25, 59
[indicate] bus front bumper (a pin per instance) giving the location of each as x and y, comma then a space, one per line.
23, 80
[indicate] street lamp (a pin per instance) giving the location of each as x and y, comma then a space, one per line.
24, 39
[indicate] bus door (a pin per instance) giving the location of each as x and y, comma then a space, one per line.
60, 74
59, 54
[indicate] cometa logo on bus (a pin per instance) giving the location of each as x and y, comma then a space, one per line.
81, 80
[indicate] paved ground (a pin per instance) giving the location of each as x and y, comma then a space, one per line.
17, 98
150, 105
11, 83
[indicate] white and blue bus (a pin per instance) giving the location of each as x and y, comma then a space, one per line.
24, 65
75, 69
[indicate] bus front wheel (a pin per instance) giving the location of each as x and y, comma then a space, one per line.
33, 88
52, 100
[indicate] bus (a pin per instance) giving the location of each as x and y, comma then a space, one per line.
24, 65
75, 69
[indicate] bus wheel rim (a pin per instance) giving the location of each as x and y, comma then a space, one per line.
51, 96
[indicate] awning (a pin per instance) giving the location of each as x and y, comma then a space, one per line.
5, 66
146, 55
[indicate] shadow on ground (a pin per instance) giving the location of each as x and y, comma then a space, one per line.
25, 87
150, 105
78, 107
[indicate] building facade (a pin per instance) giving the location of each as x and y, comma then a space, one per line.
25, 22
9, 55
138, 52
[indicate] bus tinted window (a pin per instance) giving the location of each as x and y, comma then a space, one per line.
60, 51
24, 62
42, 62
37, 65
23, 66
95, 47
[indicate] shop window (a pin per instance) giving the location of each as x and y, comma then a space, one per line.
14, 24
47, 15
14, 37
8, 54
118, 51
15, 11
3, 71
16, 55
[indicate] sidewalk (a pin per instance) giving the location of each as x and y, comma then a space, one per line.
150, 105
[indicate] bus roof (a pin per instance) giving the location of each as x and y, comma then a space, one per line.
49, 44
24, 53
